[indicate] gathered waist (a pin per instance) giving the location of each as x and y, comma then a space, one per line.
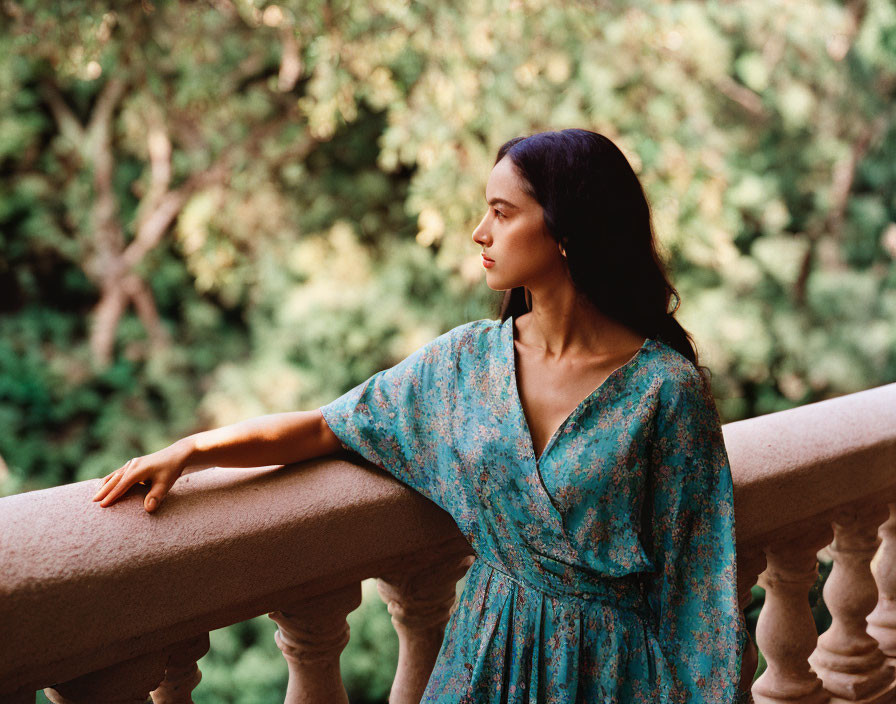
626, 592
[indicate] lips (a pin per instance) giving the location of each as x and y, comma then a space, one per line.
487, 258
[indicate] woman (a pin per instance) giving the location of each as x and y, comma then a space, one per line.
574, 441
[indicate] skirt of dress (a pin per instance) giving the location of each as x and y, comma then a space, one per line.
510, 642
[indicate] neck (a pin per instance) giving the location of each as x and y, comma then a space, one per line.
564, 324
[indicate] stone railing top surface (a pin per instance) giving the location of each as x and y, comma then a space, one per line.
806, 462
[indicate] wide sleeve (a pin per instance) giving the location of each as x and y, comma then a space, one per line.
397, 419
690, 537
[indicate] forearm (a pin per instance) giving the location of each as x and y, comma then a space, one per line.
280, 438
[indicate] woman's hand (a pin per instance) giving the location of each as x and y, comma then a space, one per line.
161, 469
280, 438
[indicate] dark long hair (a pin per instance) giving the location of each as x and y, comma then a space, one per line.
595, 207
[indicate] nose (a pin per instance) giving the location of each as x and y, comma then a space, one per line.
480, 234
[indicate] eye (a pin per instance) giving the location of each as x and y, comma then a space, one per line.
499, 214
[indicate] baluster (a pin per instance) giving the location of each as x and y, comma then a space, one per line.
750, 563
786, 632
128, 682
882, 621
848, 660
182, 673
420, 598
311, 635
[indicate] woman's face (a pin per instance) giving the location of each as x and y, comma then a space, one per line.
513, 234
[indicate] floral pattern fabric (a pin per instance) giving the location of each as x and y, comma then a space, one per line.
605, 569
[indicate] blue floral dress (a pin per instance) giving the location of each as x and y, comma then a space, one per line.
605, 569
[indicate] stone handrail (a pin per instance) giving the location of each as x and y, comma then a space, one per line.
803, 478
103, 599
109, 604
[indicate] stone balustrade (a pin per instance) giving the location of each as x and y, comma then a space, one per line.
109, 605
820, 477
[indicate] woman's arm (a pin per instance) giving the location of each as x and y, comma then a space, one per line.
281, 438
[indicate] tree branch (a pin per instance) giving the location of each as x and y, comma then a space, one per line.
740, 94
158, 146
108, 99
748, 99
141, 296
290, 62
842, 179
111, 263
156, 223
153, 227
106, 315
69, 125
108, 235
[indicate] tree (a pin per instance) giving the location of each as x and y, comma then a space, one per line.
211, 211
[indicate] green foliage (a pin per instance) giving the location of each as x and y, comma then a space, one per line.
369, 660
353, 141
243, 665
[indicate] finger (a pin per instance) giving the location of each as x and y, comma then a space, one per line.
154, 498
108, 483
104, 487
103, 500
107, 486
127, 480
113, 495
112, 480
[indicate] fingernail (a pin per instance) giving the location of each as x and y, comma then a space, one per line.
151, 504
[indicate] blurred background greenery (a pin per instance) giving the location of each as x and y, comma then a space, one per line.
210, 211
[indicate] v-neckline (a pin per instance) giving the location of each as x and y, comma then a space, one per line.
510, 350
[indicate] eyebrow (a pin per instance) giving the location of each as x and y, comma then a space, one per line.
501, 201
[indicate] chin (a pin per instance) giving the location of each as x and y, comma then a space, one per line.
493, 282
500, 281
497, 285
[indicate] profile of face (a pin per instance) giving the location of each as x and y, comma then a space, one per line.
513, 234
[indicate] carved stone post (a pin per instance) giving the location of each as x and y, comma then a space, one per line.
311, 635
128, 682
182, 674
786, 632
420, 599
750, 563
882, 621
848, 660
